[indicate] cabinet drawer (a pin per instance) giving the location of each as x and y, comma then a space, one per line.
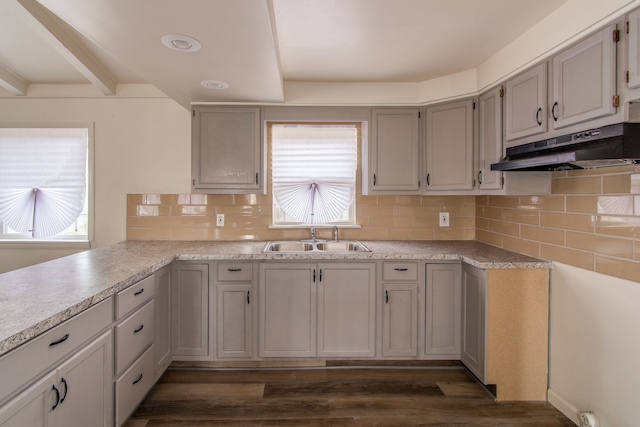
399, 271
133, 335
19, 366
134, 296
235, 272
133, 385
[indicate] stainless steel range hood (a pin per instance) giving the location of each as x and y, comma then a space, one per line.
612, 145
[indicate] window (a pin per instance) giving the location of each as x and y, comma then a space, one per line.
314, 173
44, 184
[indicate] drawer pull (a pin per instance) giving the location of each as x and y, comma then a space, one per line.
139, 292
60, 341
386, 296
139, 329
138, 379
66, 389
401, 269
234, 269
248, 297
54, 388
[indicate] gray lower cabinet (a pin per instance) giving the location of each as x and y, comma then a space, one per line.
190, 311
400, 308
443, 309
474, 297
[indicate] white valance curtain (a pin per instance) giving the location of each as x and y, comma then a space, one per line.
42, 178
314, 170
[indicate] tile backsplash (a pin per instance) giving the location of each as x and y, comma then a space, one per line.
248, 217
591, 220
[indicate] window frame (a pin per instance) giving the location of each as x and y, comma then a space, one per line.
56, 242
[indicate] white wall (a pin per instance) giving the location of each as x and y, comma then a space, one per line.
594, 345
142, 145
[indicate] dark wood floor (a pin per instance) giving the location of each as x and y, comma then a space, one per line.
333, 397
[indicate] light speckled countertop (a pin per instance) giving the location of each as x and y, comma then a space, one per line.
37, 298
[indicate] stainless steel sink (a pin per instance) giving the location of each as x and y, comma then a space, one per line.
319, 246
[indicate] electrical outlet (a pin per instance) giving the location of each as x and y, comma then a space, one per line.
220, 220
444, 219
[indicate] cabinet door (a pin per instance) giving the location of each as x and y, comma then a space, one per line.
394, 155
490, 139
346, 310
227, 150
162, 337
633, 54
584, 80
400, 320
474, 284
526, 103
234, 319
443, 308
288, 310
33, 407
190, 311
86, 387
449, 150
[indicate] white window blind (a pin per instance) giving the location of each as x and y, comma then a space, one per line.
314, 170
43, 179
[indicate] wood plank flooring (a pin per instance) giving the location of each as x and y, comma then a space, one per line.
321, 397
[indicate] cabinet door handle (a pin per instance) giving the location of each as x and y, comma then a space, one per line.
374, 179
400, 269
139, 292
248, 297
539, 116
139, 329
314, 275
428, 180
257, 180
320, 275
480, 177
553, 111
66, 389
55, 405
60, 341
233, 270
138, 379
386, 297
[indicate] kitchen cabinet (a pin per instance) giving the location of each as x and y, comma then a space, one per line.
584, 80
399, 309
78, 393
288, 301
227, 150
449, 146
526, 104
346, 309
234, 310
443, 309
190, 311
162, 333
474, 296
490, 138
394, 152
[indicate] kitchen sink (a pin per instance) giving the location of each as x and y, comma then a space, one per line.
318, 246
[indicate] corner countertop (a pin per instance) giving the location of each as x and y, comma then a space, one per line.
37, 298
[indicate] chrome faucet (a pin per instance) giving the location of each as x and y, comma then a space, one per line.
313, 234
335, 234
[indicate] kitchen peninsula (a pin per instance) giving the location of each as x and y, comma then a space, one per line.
503, 292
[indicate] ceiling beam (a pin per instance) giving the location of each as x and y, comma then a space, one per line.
53, 32
12, 83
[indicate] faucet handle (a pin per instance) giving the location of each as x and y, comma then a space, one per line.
335, 233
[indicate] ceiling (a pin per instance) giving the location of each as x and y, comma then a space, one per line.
254, 46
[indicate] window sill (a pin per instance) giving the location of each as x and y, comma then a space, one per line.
22, 244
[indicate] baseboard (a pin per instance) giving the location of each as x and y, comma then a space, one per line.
563, 406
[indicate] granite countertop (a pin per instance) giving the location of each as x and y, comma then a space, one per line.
37, 298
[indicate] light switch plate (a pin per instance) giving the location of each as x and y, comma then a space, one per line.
220, 220
444, 219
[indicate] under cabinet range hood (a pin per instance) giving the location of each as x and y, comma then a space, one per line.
612, 145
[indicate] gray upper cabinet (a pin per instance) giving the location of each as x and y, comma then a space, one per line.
584, 80
526, 103
490, 139
633, 54
227, 150
394, 154
449, 146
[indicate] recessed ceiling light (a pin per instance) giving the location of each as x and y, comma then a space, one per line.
214, 84
181, 42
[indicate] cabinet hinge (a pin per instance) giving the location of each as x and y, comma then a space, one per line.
418, 184
193, 113
474, 105
419, 114
501, 92
626, 24
194, 182
616, 36
626, 76
616, 101
501, 181
473, 183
